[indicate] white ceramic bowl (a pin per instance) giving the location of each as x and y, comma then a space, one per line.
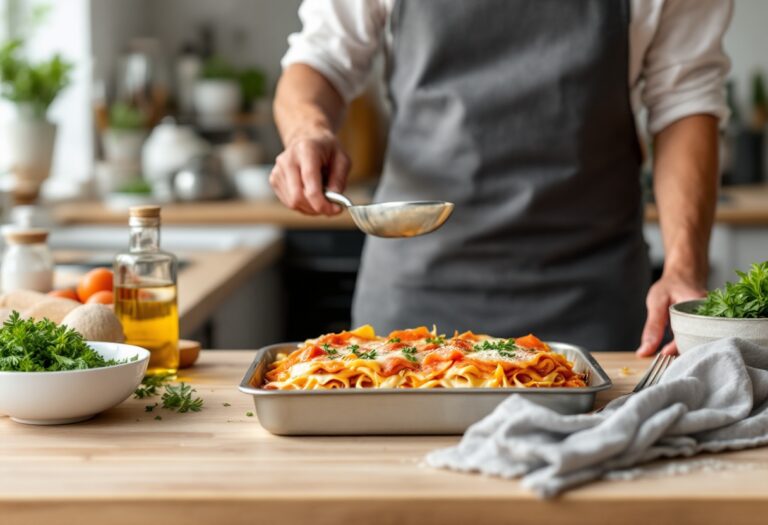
691, 329
54, 398
252, 183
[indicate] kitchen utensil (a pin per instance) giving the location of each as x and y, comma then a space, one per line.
691, 329
202, 178
403, 411
54, 398
651, 377
395, 219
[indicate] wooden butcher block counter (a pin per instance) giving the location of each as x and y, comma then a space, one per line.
220, 467
739, 205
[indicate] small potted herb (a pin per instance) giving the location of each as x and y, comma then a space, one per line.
31, 87
125, 135
217, 93
739, 309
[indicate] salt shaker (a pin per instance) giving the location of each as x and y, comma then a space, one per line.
27, 262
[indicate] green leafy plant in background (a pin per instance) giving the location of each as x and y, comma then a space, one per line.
216, 68
745, 299
27, 345
125, 117
31, 86
136, 187
253, 84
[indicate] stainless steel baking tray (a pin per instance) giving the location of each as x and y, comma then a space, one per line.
403, 411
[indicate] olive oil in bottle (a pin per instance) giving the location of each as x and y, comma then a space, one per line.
145, 292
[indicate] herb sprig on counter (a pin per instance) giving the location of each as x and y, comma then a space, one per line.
27, 345
179, 398
745, 299
175, 397
149, 386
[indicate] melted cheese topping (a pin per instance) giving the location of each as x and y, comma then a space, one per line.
418, 358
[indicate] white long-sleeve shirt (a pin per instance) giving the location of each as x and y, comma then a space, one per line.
677, 66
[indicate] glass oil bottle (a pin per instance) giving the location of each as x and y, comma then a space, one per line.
145, 292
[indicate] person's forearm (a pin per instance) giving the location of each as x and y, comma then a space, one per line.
306, 104
685, 187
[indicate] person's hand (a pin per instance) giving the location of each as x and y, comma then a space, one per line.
666, 291
298, 174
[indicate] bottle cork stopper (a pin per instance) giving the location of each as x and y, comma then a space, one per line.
25, 236
145, 212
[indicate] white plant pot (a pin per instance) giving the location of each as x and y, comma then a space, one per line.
30, 145
123, 146
217, 101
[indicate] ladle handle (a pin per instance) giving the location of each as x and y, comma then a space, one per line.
338, 198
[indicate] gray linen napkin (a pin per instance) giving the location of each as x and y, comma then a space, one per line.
712, 398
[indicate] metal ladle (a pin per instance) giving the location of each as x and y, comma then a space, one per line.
395, 219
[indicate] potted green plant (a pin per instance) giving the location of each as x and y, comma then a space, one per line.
124, 135
217, 93
738, 309
31, 87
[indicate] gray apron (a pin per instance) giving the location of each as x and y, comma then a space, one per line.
518, 111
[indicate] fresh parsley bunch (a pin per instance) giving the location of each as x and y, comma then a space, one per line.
27, 345
745, 299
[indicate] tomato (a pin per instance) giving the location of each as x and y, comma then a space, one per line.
102, 297
97, 280
66, 293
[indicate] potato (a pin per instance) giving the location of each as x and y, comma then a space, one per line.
20, 299
95, 322
53, 308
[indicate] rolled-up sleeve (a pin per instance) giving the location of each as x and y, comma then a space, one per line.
685, 66
339, 38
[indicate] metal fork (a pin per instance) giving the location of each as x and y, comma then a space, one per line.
651, 377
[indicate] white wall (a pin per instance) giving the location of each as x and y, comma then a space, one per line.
248, 32
747, 44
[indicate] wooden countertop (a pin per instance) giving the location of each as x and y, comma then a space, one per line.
742, 205
220, 466
739, 206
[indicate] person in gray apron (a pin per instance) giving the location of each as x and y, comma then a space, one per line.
519, 113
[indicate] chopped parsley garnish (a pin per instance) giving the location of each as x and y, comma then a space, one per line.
505, 347
394, 340
353, 348
410, 353
438, 340
332, 352
367, 355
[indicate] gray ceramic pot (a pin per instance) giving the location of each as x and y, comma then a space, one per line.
692, 330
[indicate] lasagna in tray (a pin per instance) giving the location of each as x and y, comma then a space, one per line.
420, 358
